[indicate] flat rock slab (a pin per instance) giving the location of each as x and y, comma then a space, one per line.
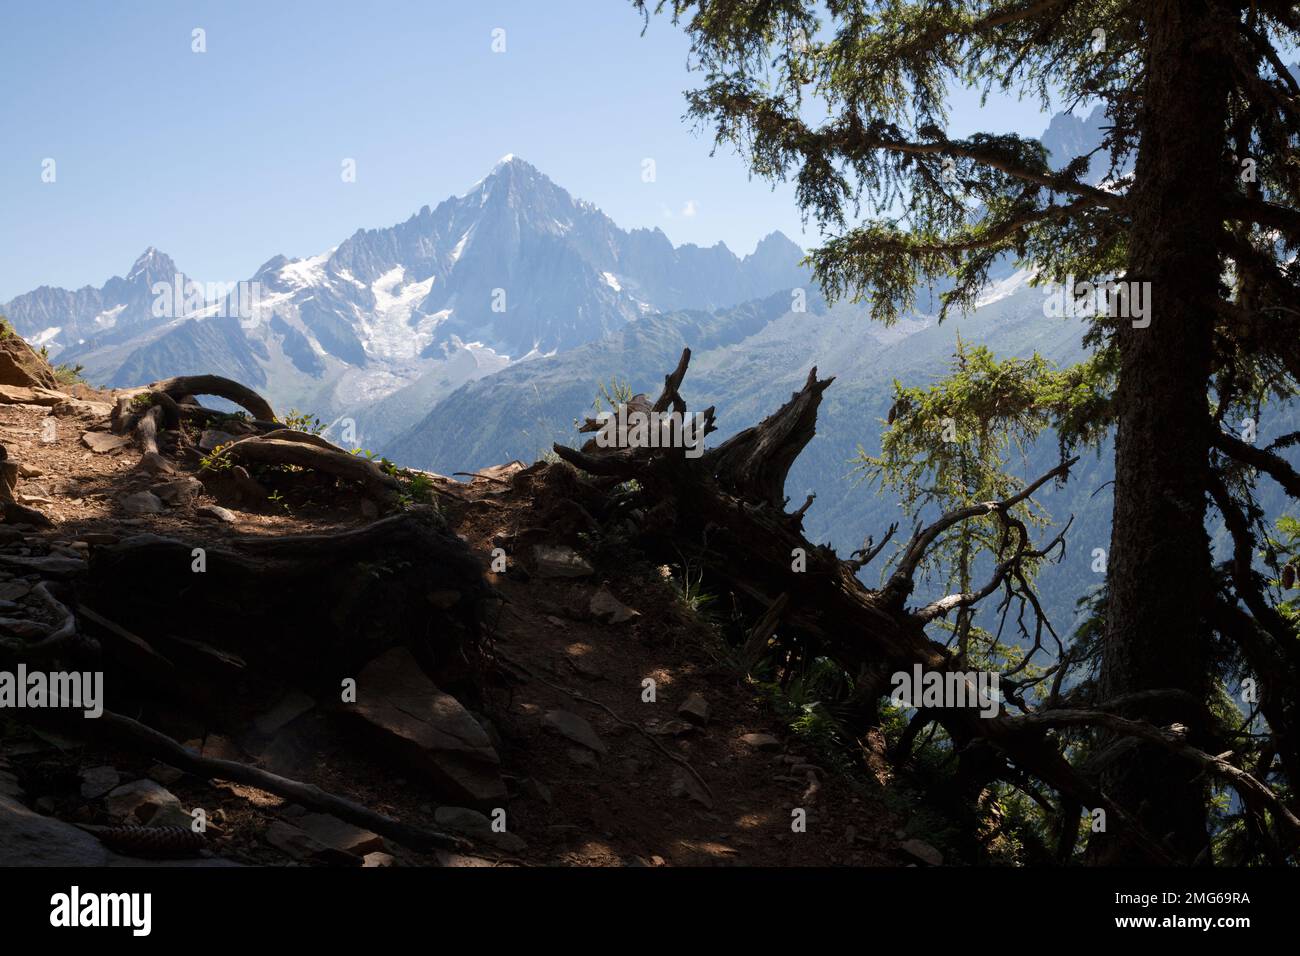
574, 728
103, 443
301, 845
77, 406
476, 825
761, 741
560, 561
19, 395
340, 834
429, 730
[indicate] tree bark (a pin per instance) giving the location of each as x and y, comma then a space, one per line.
1157, 630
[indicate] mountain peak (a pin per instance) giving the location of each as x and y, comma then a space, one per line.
152, 263
512, 166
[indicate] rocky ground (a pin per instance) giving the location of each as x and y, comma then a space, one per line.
564, 748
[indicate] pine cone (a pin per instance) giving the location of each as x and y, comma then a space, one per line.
152, 841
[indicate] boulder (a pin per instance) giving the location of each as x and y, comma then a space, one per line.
143, 503
179, 492
761, 741
695, 709
21, 365
29, 839
428, 730
155, 464
607, 608
146, 802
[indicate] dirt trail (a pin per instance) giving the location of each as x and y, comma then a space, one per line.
633, 804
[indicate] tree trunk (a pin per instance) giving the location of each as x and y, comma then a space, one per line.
1157, 631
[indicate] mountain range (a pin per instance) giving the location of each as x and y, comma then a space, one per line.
513, 269
479, 330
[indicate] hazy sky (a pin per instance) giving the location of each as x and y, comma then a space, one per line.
226, 158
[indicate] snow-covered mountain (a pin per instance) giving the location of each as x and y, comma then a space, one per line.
514, 268
59, 318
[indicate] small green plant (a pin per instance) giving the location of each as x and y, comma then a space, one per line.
217, 459
616, 393
303, 422
278, 499
66, 374
689, 588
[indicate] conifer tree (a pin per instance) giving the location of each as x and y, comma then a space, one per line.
1198, 209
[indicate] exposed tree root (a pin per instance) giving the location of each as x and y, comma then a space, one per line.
725, 511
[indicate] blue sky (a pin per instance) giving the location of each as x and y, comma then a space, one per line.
226, 158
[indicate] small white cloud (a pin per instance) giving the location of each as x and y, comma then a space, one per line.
689, 208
